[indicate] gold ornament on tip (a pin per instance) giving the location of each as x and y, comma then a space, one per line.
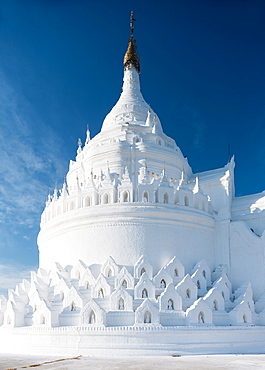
131, 56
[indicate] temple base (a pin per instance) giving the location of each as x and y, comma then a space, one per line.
133, 341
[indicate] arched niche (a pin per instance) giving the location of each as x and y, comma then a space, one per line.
124, 283
87, 201
201, 319
92, 317
147, 317
145, 197
125, 196
163, 284
215, 305
72, 306
121, 304
71, 206
105, 198
165, 198
42, 319
109, 272
170, 304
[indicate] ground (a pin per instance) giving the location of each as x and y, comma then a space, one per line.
220, 362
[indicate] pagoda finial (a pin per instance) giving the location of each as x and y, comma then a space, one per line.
131, 25
131, 56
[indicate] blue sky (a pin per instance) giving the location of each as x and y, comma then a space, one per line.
202, 71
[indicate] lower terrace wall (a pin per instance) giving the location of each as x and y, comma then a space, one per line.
130, 341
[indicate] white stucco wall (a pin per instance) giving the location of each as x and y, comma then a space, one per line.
247, 257
126, 232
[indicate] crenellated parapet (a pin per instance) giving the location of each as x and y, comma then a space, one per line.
110, 188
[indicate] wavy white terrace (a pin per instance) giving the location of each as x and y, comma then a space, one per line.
112, 295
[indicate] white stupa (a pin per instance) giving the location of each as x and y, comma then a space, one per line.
137, 254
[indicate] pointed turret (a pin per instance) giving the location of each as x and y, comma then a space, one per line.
183, 182
144, 177
64, 191
87, 135
126, 177
79, 149
197, 188
55, 193
164, 179
48, 201
107, 180
164, 192
125, 187
90, 181
148, 119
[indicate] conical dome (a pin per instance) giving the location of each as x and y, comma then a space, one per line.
131, 107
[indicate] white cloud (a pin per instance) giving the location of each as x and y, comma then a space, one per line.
11, 275
30, 160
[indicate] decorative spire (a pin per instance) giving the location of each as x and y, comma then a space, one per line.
126, 180
49, 198
79, 143
144, 176
107, 180
64, 189
55, 193
182, 175
87, 135
90, 180
126, 173
196, 188
131, 56
164, 181
148, 119
183, 181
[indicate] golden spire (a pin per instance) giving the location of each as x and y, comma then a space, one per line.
131, 56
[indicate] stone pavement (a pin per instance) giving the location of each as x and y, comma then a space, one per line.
205, 362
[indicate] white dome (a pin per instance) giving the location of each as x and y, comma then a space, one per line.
131, 107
